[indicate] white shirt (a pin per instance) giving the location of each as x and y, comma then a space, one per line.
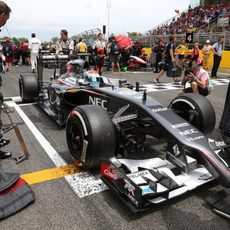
34, 45
218, 47
65, 46
202, 75
99, 44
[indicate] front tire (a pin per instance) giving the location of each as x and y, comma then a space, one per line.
195, 109
90, 135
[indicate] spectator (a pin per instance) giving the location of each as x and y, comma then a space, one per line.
4, 16
196, 51
99, 48
81, 46
217, 50
206, 51
9, 54
114, 53
25, 53
82, 49
91, 57
34, 46
169, 60
181, 49
125, 54
2, 59
158, 50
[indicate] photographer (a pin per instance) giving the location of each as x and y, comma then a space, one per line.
198, 78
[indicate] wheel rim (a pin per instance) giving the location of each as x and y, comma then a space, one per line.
188, 113
76, 139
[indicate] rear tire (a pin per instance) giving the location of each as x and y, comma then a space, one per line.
195, 109
28, 88
90, 135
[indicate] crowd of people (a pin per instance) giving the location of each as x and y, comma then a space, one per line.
195, 63
22, 53
196, 19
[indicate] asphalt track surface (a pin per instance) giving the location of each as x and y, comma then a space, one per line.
59, 206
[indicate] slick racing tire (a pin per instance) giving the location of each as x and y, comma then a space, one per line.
195, 109
90, 135
28, 87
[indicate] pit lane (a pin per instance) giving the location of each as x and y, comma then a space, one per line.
58, 206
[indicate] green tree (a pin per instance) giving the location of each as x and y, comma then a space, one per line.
54, 39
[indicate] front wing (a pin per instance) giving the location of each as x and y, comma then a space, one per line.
143, 183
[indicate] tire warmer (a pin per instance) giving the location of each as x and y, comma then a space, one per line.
15, 194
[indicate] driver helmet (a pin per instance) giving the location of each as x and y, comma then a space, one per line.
92, 76
75, 66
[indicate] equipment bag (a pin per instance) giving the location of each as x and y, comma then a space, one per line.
174, 71
15, 198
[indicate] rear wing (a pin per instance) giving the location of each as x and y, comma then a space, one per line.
45, 59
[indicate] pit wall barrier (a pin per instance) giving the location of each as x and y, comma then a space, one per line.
225, 62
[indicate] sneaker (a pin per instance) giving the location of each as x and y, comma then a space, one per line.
4, 155
177, 82
4, 142
156, 81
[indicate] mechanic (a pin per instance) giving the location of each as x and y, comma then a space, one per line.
99, 48
4, 16
34, 46
64, 46
168, 59
199, 79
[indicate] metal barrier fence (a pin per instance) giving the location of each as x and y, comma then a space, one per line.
149, 40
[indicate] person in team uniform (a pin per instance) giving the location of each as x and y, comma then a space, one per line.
99, 48
34, 47
64, 46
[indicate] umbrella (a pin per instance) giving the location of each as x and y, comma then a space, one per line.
124, 41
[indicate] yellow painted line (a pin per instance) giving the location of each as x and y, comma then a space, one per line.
50, 174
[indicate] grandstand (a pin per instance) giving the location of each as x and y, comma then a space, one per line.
200, 19
208, 19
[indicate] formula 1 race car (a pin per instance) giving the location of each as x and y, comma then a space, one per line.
107, 124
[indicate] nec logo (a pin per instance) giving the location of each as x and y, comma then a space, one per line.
98, 101
188, 132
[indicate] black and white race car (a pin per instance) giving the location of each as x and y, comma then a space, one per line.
106, 123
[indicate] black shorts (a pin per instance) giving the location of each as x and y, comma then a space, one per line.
202, 91
167, 66
100, 61
181, 56
114, 58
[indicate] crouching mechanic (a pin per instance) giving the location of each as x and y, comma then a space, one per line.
198, 79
